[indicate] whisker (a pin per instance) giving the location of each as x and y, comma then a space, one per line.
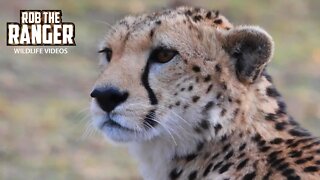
102, 22
164, 127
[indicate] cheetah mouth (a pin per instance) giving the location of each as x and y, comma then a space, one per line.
110, 123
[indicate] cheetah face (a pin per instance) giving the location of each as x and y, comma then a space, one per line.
161, 73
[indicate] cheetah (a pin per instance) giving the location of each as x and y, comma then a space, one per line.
188, 93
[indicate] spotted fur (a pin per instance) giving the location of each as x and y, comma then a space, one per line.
211, 112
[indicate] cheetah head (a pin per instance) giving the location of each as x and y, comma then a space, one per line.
174, 73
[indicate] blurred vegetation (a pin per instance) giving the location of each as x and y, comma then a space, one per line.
44, 98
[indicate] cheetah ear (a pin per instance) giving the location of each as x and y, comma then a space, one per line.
251, 48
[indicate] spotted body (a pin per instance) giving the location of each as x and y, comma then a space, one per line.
191, 97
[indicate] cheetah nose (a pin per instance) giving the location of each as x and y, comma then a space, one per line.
109, 98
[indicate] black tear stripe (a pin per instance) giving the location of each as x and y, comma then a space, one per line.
145, 82
148, 120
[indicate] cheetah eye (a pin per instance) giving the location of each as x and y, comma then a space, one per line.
163, 55
107, 52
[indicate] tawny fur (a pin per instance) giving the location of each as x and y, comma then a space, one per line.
214, 120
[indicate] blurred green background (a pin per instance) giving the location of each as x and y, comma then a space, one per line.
44, 98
